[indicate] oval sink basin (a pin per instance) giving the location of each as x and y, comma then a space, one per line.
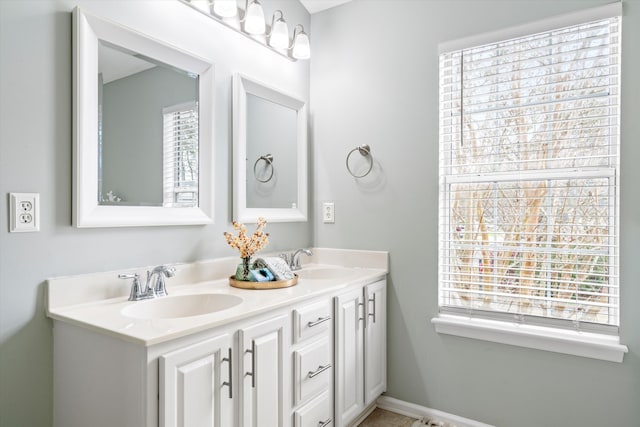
325, 273
178, 306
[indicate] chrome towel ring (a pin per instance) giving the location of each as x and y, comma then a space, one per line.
365, 151
268, 159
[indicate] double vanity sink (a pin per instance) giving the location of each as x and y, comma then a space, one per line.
197, 299
199, 304
215, 355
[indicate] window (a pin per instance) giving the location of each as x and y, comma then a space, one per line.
529, 171
180, 165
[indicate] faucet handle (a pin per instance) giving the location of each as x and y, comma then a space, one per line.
136, 288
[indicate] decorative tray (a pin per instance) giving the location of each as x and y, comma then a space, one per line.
274, 284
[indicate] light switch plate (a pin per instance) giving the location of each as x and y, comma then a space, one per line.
24, 212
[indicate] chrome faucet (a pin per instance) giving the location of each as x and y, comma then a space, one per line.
160, 272
295, 258
151, 289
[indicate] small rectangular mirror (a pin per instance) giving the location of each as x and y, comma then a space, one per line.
270, 153
143, 130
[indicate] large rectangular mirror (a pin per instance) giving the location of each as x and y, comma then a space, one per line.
143, 133
270, 153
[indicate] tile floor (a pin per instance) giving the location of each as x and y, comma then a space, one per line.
381, 418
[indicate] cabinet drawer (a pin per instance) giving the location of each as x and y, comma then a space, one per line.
317, 413
313, 370
311, 320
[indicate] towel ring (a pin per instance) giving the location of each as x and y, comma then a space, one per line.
365, 151
268, 159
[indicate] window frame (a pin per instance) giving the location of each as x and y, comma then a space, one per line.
587, 340
170, 191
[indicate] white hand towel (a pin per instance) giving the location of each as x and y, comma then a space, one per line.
275, 265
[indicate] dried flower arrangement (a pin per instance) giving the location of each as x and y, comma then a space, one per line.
247, 245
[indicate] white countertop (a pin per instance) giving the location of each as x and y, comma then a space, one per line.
96, 301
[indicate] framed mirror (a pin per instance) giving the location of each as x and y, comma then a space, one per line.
269, 153
143, 129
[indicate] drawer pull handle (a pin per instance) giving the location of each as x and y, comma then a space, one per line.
318, 371
317, 322
360, 304
324, 423
229, 383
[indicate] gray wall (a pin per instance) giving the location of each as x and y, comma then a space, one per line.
374, 79
35, 156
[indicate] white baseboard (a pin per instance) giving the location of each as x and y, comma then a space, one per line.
364, 415
417, 411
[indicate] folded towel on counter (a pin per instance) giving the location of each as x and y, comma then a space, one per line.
260, 275
277, 266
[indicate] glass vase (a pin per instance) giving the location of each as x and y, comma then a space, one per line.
242, 271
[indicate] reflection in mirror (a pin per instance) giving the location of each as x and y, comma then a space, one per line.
143, 134
272, 181
269, 153
147, 131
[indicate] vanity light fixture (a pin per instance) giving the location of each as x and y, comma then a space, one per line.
279, 34
225, 8
252, 23
254, 18
300, 48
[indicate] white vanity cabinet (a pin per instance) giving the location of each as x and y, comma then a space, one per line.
199, 383
196, 384
375, 341
360, 357
313, 355
234, 375
313, 364
264, 373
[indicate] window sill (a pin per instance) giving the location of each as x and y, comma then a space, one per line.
584, 344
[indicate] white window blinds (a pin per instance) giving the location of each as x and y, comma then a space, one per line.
180, 165
529, 161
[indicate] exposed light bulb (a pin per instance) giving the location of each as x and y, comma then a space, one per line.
254, 19
225, 8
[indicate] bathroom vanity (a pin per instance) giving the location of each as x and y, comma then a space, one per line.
212, 355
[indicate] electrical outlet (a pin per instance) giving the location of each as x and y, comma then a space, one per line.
328, 213
24, 212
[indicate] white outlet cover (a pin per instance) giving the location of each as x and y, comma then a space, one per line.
328, 213
24, 212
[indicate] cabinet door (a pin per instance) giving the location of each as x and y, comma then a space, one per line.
375, 353
195, 385
349, 321
265, 374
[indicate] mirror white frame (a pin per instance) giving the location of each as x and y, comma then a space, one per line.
242, 86
88, 30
